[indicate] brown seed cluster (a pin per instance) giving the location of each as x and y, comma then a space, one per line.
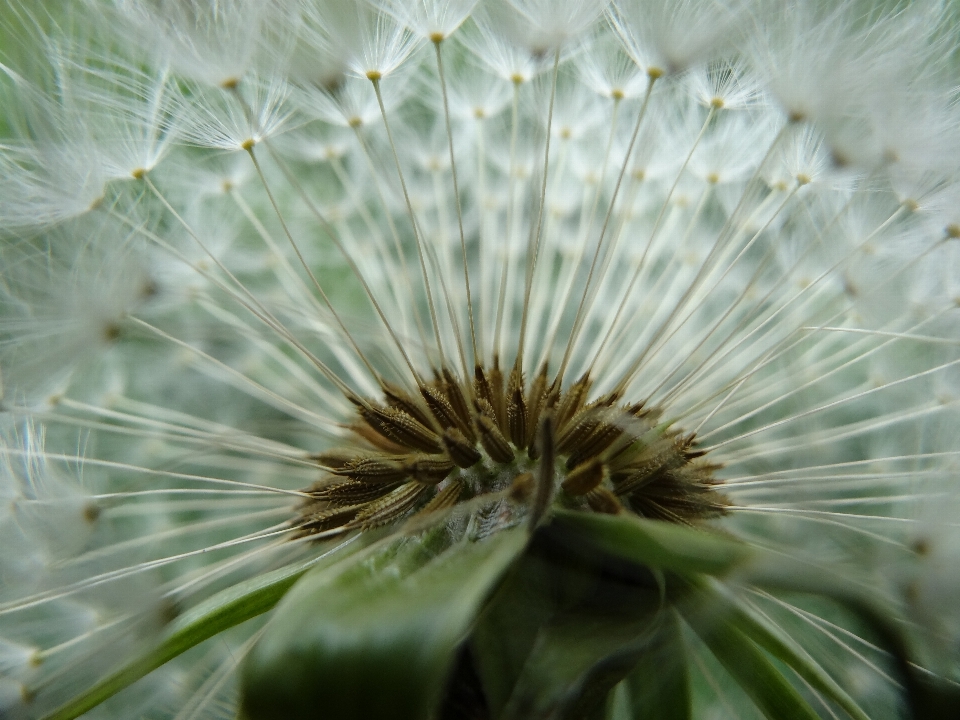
532, 442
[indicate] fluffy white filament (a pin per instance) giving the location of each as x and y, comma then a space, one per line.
214, 235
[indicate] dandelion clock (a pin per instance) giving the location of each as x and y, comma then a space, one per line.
479, 359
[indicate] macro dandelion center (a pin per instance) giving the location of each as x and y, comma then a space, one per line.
479, 359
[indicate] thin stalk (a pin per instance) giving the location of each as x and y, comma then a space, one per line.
374, 78
456, 195
511, 209
533, 247
579, 316
306, 267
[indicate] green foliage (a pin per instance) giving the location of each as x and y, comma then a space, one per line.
373, 639
582, 620
752, 669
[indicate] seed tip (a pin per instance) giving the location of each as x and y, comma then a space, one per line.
91, 512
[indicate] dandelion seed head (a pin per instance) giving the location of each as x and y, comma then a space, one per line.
278, 282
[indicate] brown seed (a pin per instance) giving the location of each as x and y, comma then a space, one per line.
602, 437
498, 399
484, 408
657, 470
402, 400
458, 401
327, 520
335, 459
517, 418
440, 407
391, 507
579, 428
583, 478
402, 428
429, 469
461, 450
516, 408
376, 439
493, 440
445, 498
482, 391
351, 492
536, 399
653, 446
374, 469
422, 437
603, 501
572, 401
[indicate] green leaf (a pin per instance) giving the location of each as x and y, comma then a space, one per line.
770, 691
658, 685
375, 639
784, 648
562, 630
928, 697
574, 663
652, 543
220, 612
